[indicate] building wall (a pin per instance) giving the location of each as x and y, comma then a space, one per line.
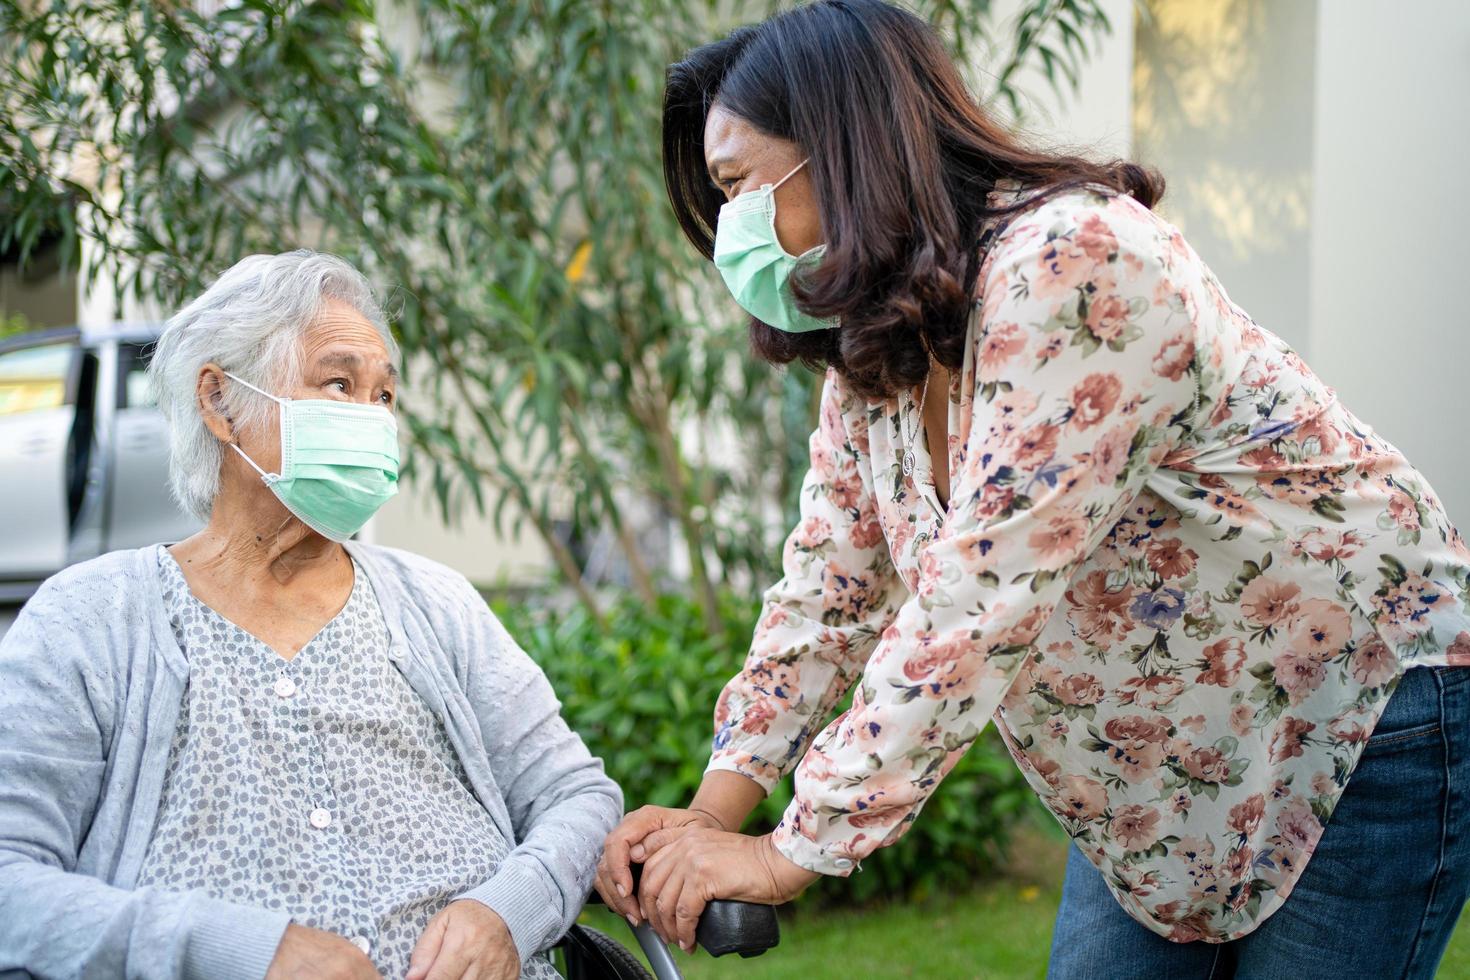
1314, 153
97, 302
47, 299
1390, 247
1096, 118
1224, 106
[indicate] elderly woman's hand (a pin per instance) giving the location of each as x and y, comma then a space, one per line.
311, 954
466, 939
698, 866
639, 834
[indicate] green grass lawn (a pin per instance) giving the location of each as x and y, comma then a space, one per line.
999, 931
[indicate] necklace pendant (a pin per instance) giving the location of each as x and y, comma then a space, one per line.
908, 462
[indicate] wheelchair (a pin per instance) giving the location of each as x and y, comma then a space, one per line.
725, 927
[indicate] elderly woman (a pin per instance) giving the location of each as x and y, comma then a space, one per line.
265, 750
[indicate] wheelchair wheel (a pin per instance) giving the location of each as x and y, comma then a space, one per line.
594, 955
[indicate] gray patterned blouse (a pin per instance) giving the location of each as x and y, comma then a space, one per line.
320, 786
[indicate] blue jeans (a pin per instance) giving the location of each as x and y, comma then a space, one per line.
1380, 897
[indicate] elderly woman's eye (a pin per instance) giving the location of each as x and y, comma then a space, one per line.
339, 383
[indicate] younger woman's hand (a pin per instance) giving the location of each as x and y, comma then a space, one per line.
699, 866
628, 843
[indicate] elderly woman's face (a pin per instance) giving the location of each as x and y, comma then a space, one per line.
343, 359
741, 158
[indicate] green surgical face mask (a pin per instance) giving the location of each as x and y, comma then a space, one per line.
755, 267
339, 462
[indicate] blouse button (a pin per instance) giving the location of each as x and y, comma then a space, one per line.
361, 942
843, 863
285, 687
320, 818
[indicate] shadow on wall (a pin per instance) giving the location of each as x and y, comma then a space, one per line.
1223, 103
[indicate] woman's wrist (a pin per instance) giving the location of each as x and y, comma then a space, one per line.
791, 878
727, 798
712, 820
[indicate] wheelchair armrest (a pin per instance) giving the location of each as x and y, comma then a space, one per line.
746, 928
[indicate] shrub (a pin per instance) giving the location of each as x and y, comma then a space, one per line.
641, 691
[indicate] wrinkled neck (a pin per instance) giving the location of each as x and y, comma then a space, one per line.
252, 536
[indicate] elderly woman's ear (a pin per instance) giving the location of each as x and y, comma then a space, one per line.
213, 411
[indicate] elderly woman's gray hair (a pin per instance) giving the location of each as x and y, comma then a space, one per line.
251, 323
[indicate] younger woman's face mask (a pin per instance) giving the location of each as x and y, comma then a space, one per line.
339, 462
755, 267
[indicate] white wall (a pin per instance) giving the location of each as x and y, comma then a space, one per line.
1390, 324
1098, 117
1316, 156
1224, 107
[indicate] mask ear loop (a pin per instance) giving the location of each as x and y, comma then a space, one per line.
790, 175
770, 198
275, 398
269, 478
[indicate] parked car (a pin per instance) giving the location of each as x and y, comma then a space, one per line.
83, 452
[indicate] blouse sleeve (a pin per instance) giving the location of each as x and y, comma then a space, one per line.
1083, 380
820, 622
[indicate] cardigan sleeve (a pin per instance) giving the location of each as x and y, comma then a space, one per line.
820, 622
56, 714
561, 803
1083, 350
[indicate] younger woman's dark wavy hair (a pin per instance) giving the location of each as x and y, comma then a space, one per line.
902, 158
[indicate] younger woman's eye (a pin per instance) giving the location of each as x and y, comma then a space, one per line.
386, 398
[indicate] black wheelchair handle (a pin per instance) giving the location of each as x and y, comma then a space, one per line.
737, 927
747, 928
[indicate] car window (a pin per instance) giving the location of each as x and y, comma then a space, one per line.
132, 363
34, 378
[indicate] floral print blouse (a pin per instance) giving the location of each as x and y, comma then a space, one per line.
1179, 574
